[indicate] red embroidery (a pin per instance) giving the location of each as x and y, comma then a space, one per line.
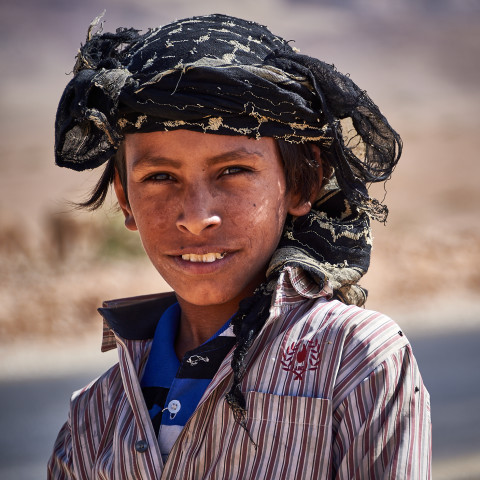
300, 357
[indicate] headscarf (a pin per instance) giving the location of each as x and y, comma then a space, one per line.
223, 75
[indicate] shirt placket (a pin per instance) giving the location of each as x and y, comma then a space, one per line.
145, 442
183, 444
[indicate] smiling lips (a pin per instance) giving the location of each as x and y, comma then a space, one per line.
207, 258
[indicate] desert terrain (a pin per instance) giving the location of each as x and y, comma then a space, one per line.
419, 61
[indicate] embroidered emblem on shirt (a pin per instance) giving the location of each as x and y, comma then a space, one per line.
194, 359
300, 357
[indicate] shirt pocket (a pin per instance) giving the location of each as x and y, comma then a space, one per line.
292, 435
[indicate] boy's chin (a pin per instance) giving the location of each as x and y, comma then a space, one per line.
205, 300
220, 299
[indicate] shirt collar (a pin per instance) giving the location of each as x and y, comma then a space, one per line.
133, 318
295, 285
136, 318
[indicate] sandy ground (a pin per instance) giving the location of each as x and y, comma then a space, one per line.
417, 60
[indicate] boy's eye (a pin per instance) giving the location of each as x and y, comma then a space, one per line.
234, 169
159, 177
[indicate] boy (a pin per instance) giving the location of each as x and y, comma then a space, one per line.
243, 165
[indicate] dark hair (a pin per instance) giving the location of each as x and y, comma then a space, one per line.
298, 159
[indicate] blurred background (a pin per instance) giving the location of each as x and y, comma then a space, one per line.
418, 60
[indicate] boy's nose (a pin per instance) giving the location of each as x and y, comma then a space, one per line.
198, 212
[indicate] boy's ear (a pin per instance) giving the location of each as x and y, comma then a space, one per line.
299, 206
123, 202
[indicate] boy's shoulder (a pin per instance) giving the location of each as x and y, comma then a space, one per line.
358, 339
357, 327
351, 321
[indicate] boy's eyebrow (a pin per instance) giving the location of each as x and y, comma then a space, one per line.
233, 155
154, 161
159, 160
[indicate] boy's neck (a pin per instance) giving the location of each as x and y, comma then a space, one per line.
198, 323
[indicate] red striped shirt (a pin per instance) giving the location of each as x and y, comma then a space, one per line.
332, 391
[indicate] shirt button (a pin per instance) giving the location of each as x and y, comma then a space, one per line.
174, 406
141, 446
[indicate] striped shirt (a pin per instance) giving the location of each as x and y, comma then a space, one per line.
332, 391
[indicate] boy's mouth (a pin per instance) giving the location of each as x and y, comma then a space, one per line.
207, 258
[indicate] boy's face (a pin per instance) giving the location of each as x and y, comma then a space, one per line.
210, 210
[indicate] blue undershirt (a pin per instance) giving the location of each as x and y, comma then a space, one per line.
173, 389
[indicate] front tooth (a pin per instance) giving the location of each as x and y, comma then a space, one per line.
208, 257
